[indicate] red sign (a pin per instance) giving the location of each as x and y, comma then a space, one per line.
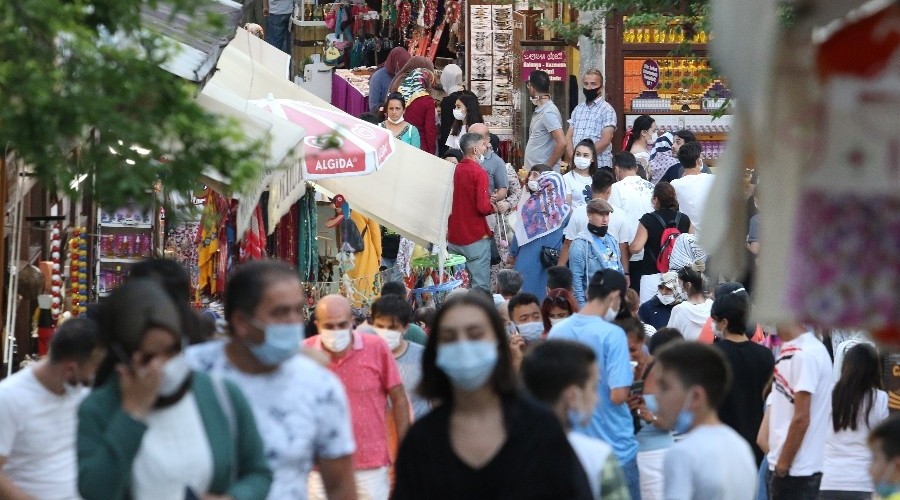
551, 61
650, 74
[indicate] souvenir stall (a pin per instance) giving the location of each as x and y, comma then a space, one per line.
651, 70
286, 212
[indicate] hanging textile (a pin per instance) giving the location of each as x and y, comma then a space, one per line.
287, 236
253, 244
308, 250
212, 241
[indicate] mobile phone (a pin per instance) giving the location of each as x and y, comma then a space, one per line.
637, 388
120, 353
189, 494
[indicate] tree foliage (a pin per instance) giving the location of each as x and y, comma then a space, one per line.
83, 94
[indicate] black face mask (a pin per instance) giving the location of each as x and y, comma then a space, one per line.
591, 94
597, 230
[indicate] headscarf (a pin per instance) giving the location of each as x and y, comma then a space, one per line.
452, 78
544, 211
395, 61
413, 64
134, 308
661, 157
414, 85
686, 252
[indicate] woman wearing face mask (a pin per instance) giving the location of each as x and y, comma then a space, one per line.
152, 428
394, 108
452, 82
465, 113
538, 230
643, 137
593, 250
689, 316
414, 82
483, 440
559, 305
578, 180
858, 405
649, 234
653, 442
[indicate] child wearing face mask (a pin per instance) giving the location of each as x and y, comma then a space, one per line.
712, 461
563, 375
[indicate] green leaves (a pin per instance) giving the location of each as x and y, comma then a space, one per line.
83, 93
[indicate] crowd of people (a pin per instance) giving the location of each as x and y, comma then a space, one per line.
591, 357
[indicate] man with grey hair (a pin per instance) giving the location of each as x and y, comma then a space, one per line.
594, 119
468, 233
509, 283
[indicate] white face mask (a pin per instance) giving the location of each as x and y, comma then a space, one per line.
392, 337
665, 299
653, 137
335, 340
396, 122
174, 373
720, 334
533, 186
554, 321
611, 314
459, 114
582, 163
480, 158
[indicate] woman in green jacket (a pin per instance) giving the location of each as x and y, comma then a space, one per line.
152, 428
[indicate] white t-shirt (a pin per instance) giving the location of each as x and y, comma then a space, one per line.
452, 141
174, 454
711, 462
634, 195
847, 457
37, 437
301, 411
689, 318
578, 187
619, 226
692, 191
592, 453
803, 365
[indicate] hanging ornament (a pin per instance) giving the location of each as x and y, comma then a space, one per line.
78, 271
55, 277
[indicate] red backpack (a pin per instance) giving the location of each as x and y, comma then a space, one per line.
667, 241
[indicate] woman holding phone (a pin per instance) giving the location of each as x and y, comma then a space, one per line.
152, 428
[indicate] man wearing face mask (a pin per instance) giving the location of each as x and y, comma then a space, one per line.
594, 249
492, 164
546, 140
712, 461
300, 407
884, 441
390, 318
611, 420
366, 367
563, 375
751, 363
634, 195
525, 313
656, 311
467, 229
37, 454
594, 119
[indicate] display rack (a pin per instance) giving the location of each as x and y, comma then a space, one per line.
680, 98
124, 237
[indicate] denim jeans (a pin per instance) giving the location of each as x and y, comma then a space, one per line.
632, 478
762, 483
278, 31
793, 487
478, 262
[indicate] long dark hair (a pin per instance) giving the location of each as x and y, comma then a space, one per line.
393, 96
860, 377
641, 123
473, 112
435, 384
588, 143
666, 197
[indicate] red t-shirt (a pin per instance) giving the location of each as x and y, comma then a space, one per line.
471, 204
368, 372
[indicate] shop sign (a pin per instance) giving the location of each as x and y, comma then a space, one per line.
551, 61
892, 381
650, 74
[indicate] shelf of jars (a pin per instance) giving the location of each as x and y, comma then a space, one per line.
124, 237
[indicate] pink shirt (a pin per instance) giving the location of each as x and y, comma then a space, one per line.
368, 372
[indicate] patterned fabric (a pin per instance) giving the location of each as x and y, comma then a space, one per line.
686, 252
543, 212
182, 241
253, 244
662, 157
300, 409
589, 120
612, 481
413, 86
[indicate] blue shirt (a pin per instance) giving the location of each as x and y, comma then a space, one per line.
610, 422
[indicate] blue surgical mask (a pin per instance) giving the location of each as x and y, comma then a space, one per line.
685, 421
577, 417
531, 332
467, 363
282, 341
884, 488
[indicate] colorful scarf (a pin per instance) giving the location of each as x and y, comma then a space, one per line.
542, 212
413, 86
661, 157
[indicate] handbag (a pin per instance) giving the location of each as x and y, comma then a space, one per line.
495, 252
549, 256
